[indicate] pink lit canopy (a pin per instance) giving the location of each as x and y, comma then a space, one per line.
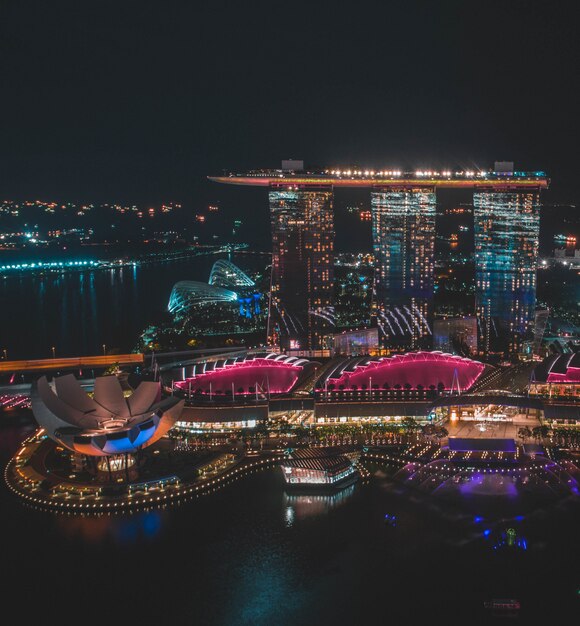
276, 373
414, 368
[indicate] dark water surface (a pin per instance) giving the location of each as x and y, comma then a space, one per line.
250, 554
78, 312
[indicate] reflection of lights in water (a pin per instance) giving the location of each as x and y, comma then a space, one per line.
122, 529
304, 506
507, 539
488, 485
289, 515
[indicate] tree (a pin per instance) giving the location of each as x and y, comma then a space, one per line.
540, 432
409, 423
524, 433
428, 430
114, 368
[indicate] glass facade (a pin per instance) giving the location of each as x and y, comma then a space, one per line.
403, 222
506, 228
301, 302
456, 335
356, 342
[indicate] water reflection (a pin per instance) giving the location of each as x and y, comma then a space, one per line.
125, 530
79, 311
486, 485
300, 507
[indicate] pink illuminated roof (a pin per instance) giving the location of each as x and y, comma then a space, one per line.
276, 373
414, 368
565, 369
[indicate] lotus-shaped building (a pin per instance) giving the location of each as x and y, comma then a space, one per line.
107, 423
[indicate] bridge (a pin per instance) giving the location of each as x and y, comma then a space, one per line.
69, 363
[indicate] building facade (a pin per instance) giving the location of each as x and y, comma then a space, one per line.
302, 292
457, 335
506, 230
403, 225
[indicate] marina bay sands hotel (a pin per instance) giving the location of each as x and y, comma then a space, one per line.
403, 207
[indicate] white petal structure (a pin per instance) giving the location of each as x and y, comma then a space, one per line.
108, 423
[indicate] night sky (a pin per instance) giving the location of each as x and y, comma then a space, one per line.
138, 101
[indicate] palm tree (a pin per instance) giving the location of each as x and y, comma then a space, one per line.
409, 423
524, 433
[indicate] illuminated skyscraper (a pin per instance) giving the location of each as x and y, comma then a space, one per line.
403, 221
507, 226
403, 218
301, 301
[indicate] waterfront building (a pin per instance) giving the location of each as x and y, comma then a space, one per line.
319, 467
405, 374
257, 375
302, 290
506, 227
109, 422
227, 284
404, 247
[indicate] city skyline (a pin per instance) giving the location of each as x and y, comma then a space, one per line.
506, 223
290, 318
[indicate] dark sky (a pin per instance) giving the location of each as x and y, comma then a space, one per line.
139, 100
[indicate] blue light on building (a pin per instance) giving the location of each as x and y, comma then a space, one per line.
404, 246
506, 251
